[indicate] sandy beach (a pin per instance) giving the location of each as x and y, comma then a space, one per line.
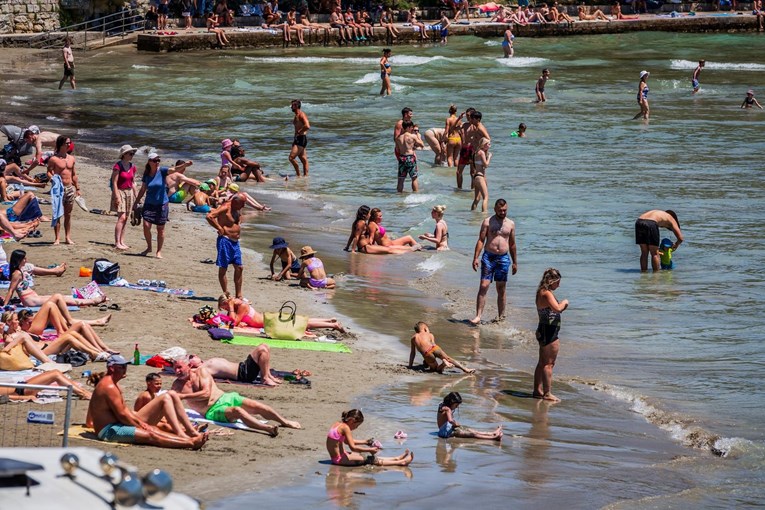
156, 322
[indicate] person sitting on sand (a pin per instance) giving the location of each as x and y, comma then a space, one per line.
27, 295
164, 409
424, 342
340, 434
448, 426
312, 273
376, 232
81, 332
197, 387
49, 378
243, 314
290, 262
200, 201
179, 187
22, 217
114, 422
153, 387
597, 15
255, 368
13, 335
250, 169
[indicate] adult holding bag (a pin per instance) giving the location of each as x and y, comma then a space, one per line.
123, 193
155, 208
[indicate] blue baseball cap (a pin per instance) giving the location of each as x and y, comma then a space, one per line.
278, 243
665, 243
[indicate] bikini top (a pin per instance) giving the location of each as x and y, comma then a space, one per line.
314, 263
381, 230
335, 434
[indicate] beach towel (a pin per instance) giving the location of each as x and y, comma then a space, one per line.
162, 290
239, 425
56, 199
87, 434
289, 344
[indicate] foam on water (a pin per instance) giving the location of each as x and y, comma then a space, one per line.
431, 265
19, 98
492, 43
521, 61
141, 66
312, 60
53, 118
722, 66
680, 429
286, 195
413, 200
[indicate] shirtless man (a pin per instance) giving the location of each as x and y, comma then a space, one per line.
62, 164
472, 132
23, 142
336, 21
406, 115
647, 235
300, 121
68, 64
407, 142
424, 342
256, 365
179, 187
497, 239
197, 387
115, 423
227, 219
200, 201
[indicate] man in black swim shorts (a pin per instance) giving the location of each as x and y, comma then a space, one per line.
300, 141
647, 235
255, 369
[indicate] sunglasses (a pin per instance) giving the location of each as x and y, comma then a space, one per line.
155, 160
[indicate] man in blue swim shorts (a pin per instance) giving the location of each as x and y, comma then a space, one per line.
114, 422
497, 240
226, 219
696, 75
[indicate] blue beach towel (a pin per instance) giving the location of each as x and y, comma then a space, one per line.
56, 199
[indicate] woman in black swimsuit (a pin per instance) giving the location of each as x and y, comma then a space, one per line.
549, 310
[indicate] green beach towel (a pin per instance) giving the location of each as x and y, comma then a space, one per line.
289, 344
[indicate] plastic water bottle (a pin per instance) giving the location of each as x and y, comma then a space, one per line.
86, 373
136, 356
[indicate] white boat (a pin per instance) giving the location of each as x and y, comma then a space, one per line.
81, 478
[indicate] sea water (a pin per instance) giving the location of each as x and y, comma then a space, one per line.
660, 374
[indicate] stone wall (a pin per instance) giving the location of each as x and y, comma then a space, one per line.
20, 16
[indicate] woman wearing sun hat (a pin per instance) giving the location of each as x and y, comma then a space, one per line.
642, 96
123, 193
155, 208
312, 273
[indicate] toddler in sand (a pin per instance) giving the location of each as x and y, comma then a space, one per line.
448, 426
424, 342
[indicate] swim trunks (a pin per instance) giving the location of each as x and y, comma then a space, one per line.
217, 411
156, 214
300, 141
69, 193
204, 208
407, 165
495, 267
229, 252
117, 433
178, 196
294, 268
69, 71
446, 430
695, 84
548, 327
248, 370
466, 154
647, 232
29, 213
444, 32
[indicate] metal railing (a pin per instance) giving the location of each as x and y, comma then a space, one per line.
93, 32
20, 425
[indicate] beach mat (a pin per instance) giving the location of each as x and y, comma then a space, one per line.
290, 344
87, 434
239, 425
161, 290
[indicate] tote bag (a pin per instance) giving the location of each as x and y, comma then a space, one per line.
285, 324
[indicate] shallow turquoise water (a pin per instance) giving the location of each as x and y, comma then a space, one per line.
678, 356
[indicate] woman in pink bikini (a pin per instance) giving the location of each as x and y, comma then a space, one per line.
376, 232
340, 434
243, 314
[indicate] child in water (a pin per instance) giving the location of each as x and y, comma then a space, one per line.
290, 263
448, 426
540, 87
521, 133
424, 342
750, 101
340, 434
549, 310
665, 254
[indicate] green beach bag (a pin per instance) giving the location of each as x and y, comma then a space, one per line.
285, 324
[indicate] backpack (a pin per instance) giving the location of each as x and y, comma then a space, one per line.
105, 271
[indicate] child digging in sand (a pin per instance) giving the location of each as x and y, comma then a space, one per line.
340, 434
448, 426
424, 342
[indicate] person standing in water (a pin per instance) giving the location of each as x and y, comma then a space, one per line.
647, 235
695, 77
539, 89
549, 310
507, 43
68, 64
497, 239
385, 71
750, 101
300, 141
642, 96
